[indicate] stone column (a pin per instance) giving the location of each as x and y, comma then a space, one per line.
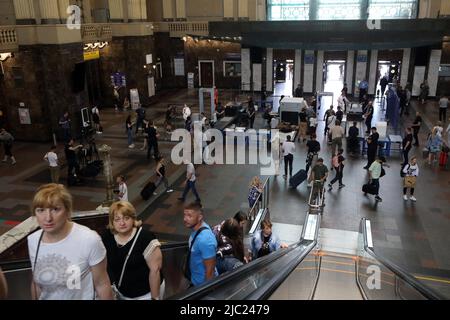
405, 66
134, 10
349, 70
319, 71
269, 70
24, 10
49, 12
116, 10
107, 172
373, 71
297, 68
308, 75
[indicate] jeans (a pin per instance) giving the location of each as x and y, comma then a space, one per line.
416, 137
288, 163
152, 145
130, 136
160, 180
338, 177
369, 123
405, 156
442, 114
227, 263
190, 185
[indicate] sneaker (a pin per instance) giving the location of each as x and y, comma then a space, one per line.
155, 193
412, 198
169, 191
377, 198
405, 197
131, 146
341, 186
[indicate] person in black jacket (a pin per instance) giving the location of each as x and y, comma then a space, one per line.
372, 147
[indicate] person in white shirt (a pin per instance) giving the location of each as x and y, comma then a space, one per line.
186, 112
343, 102
443, 105
337, 133
68, 260
288, 148
411, 171
123, 189
190, 181
52, 158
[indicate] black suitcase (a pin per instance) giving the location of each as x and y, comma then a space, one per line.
297, 178
91, 170
148, 190
369, 188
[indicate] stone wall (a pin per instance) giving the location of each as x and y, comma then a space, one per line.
40, 77
217, 51
166, 50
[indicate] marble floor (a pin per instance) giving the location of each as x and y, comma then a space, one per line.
413, 235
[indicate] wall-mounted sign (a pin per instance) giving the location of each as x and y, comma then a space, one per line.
190, 80
95, 45
24, 116
91, 55
361, 58
149, 59
118, 79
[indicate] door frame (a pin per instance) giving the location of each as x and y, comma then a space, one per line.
200, 72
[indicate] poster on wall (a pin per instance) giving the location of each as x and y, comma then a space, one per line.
179, 66
24, 116
134, 99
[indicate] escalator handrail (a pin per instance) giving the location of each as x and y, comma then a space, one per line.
269, 288
197, 292
202, 290
398, 271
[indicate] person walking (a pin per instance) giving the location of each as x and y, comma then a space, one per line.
140, 112
406, 145
352, 139
152, 141
7, 139
338, 165
161, 175
134, 256
411, 172
416, 128
443, 105
312, 124
68, 260
190, 181
434, 145
424, 91
372, 147
313, 150
375, 173
329, 118
337, 133
52, 158
123, 189
343, 101
368, 116
201, 260
96, 119
302, 125
288, 149
256, 189
70, 150
65, 122
129, 129
383, 84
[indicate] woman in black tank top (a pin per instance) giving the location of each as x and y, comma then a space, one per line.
161, 176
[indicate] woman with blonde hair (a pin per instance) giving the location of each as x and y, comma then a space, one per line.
434, 145
256, 188
68, 260
134, 256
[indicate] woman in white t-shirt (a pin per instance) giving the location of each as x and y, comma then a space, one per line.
68, 260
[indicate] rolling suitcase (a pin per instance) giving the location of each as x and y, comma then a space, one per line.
443, 157
369, 188
297, 178
148, 190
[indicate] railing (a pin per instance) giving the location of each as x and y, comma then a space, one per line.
382, 279
180, 29
8, 38
262, 201
316, 199
96, 31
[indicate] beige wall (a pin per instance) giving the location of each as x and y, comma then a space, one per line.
7, 16
204, 9
445, 8
430, 8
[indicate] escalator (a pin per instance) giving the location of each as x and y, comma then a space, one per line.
304, 272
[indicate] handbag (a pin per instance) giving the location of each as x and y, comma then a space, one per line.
115, 289
410, 182
187, 268
383, 172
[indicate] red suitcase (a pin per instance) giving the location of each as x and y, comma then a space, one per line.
443, 157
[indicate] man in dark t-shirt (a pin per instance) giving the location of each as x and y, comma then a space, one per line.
352, 140
416, 127
313, 149
406, 145
71, 157
152, 139
372, 147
